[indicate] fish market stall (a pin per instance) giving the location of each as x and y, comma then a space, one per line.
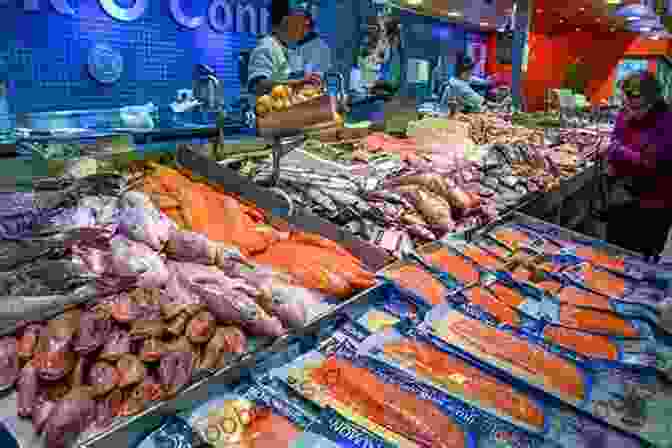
443, 175
120, 290
537, 336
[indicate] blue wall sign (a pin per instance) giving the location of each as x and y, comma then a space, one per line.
48, 47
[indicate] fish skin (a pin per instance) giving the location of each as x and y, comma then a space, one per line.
467, 380
382, 402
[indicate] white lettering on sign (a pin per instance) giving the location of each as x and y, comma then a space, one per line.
63, 7
225, 16
215, 11
124, 14
251, 14
181, 18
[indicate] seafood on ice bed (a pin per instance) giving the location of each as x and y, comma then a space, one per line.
128, 284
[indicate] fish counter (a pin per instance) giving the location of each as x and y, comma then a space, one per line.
123, 287
138, 282
443, 176
493, 342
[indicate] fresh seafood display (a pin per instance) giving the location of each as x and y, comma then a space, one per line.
466, 380
159, 276
120, 288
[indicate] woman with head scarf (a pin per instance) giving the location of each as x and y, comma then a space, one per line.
641, 154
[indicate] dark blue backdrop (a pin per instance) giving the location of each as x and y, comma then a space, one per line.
45, 52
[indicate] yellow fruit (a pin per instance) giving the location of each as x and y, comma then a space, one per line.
262, 110
280, 92
265, 101
338, 118
278, 104
286, 103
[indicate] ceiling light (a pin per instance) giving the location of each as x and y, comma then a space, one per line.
454, 14
598, 20
485, 24
578, 29
632, 19
582, 9
539, 11
645, 29
656, 37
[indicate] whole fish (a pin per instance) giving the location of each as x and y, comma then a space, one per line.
389, 196
321, 199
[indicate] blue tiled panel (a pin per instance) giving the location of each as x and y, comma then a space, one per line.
46, 55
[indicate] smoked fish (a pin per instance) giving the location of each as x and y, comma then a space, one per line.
483, 258
590, 345
387, 405
454, 264
596, 321
419, 281
507, 295
603, 282
466, 381
583, 298
520, 357
490, 303
523, 274
600, 258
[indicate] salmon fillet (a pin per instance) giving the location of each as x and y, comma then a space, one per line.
511, 238
603, 282
601, 258
387, 405
419, 281
580, 297
507, 295
522, 357
483, 258
492, 305
466, 380
590, 345
455, 265
596, 321
271, 430
522, 274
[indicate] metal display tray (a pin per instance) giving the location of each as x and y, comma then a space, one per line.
563, 233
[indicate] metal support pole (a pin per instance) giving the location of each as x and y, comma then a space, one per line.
522, 25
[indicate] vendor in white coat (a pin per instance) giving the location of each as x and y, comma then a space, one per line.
313, 53
270, 61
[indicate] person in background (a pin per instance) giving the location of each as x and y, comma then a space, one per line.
390, 76
269, 61
313, 51
640, 155
459, 87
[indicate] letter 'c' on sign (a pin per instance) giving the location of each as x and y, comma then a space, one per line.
124, 14
181, 18
215, 18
